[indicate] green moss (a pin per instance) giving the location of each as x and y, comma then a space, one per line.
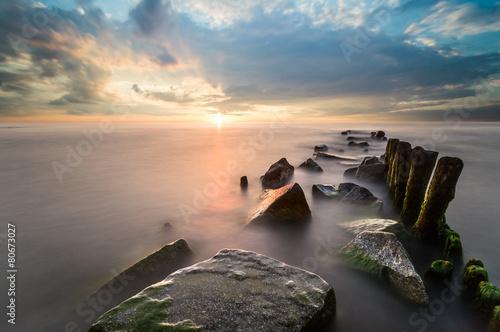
302, 297
452, 246
487, 297
440, 269
473, 261
363, 262
141, 313
495, 320
473, 275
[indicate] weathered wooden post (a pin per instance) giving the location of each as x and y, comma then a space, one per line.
441, 192
400, 171
390, 150
422, 165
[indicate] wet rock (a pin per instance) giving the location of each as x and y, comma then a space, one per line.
235, 290
352, 138
277, 175
362, 196
351, 172
244, 182
487, 297
367, 161
353, 144
378, 135
326, 191
321, 147
495, 320
374, 225
381, 254
346, 187
440, 270
345, 132
440, 193
374, 172
311, 165
286, 204
363, 144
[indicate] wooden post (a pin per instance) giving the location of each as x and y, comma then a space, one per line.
422, 165
400, 171
441, 192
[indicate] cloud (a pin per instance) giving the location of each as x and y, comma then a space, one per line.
150, 15
451, 19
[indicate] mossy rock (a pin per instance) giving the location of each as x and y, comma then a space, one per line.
495, 320
473, 261
473, 275
452, 246
440, 270
487, 297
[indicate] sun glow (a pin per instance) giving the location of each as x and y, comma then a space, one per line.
218, 119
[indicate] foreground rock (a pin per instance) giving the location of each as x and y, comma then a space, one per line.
374, 225
381, 254
311, 165
286, 204
235, 290
277, 175
362, 196
147, 271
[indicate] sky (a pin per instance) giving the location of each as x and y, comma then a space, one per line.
249, 60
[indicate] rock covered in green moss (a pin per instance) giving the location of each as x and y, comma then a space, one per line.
487, 297
473, 261
440, 270
286, 204
440, 193
235, 290
381, 254
495, 320
473, 275
452, 249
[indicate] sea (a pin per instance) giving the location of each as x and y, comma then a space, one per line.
88, 200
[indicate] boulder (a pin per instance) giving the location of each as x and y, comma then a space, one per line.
277, 175
381, 254
321, 147
311, 165
378, 135
346, 187
440, 270
353, 144
147, 271
235, 290
326, 191
362, 196
374, 225
352, 138
364, 144
487, 297
372, 172
286, 204
351, 172
345, 132
367, 161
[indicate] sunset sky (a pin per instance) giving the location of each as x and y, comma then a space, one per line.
186, 60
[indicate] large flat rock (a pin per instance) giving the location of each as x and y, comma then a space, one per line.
285, 204
235, 290
381, 254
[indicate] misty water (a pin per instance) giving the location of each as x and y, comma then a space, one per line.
76, 232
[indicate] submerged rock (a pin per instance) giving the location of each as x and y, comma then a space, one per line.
277, 175
373, 172
235, 290
440, 270
346, 187
362, 196
378, 135
311, 165
326, 191
321, 147
370, 161
286, 204
373, 224
381, 254
351, 172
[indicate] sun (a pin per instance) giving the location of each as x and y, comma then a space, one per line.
218, 119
